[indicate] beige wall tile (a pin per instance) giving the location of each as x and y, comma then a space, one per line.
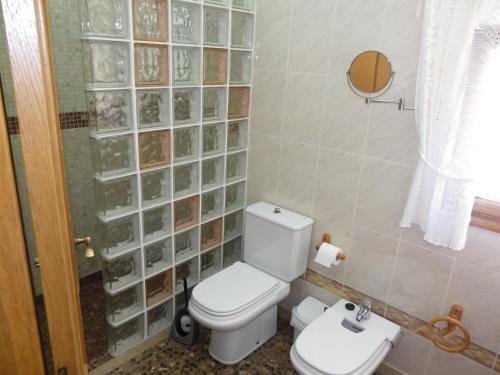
336, 184
382, 196
296, 177
370, 262
357, 27
392, 134
321, 294
420, 281
345, 119
410, 355
401, 38
263, 168
295, 295
477, 290
309, 50
272, 34
443, 363
303, 109
267, 101
482, 248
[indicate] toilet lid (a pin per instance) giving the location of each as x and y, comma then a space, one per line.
333, 349
231, 290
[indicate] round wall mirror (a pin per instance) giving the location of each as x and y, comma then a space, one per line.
370, 72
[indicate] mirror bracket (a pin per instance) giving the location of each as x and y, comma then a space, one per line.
401, 103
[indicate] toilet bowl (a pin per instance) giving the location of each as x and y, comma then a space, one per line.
337, 344
239, 303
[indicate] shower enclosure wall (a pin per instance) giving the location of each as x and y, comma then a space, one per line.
168, 95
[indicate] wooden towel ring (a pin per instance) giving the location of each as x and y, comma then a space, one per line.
453, 321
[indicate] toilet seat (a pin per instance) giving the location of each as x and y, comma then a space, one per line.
336, 344
234, 296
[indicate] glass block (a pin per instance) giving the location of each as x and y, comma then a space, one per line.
233, 225
186, 244
237, 135
122, 270
180, 300
211, 262
241, 30
126, 335
116, 196
239, 100
186, 104
214, 104
158, 256
241, 67
235, 196
215, 26
236, 165
186, 19
186, 144
109, 111
105, 64
186, 179
159, 287
232, 252
244, 4
104, 18
150, 20
119, 234
151, 64
123, 304
211, 204
112, 155
187, 270
186, 212
213, 139
153, 108
156, 187
218, 2
212, 173
154, 149
214, 66
186, 65
211, 234
160, 317
156, 222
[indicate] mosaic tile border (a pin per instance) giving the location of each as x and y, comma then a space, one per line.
67, 120
474, 352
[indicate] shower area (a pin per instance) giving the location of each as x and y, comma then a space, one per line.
154, 100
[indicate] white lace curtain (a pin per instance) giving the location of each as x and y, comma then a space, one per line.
443, 190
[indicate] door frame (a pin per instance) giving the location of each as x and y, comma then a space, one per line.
28, 38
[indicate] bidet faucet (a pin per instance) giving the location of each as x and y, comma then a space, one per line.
365, 309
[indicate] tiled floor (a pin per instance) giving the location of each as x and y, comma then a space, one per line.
169, 357
94, 322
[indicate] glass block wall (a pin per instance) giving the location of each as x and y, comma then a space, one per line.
168, 95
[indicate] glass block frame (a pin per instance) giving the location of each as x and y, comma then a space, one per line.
158, 115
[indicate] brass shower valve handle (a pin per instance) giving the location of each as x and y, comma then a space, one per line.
327, 238
89, 250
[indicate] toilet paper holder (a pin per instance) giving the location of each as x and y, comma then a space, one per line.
327, 237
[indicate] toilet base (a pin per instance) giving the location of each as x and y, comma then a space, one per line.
230, 347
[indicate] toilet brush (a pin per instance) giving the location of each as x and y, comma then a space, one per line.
185, 329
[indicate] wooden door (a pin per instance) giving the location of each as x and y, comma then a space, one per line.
30, 54
20, 350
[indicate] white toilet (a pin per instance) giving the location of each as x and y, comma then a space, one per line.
337, 344
239, 304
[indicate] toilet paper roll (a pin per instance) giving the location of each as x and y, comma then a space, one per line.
327, 255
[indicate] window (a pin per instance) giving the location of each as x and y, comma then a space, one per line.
486, 211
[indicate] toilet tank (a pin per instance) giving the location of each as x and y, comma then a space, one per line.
277, 240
